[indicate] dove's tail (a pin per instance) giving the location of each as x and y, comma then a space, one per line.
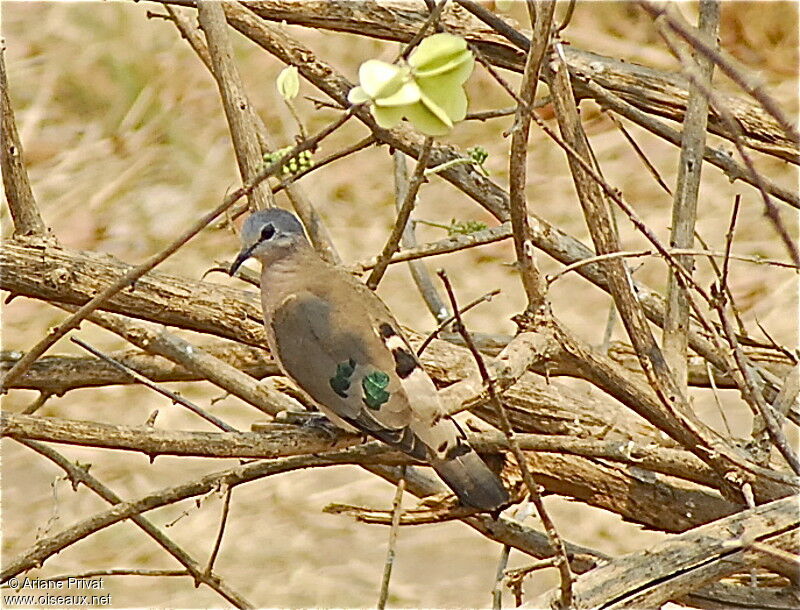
472, 480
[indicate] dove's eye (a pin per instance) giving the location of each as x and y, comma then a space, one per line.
267, 232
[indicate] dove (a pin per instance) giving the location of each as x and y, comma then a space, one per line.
340, 344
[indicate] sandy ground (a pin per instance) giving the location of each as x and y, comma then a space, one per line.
126, 144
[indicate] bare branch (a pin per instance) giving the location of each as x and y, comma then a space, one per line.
449, 320
226, 505
684, 563
238, 111
453, 243
684, 207
542, 19
21, 203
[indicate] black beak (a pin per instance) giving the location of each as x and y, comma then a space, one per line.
243, 256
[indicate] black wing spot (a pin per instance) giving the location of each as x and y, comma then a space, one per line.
457, 450
404, 362
386, 330
442, 447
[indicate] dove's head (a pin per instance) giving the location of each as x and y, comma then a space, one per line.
269, 235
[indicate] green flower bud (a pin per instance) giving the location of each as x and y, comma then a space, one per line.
288, 83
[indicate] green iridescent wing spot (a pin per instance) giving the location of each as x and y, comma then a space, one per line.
374, 386
340, 382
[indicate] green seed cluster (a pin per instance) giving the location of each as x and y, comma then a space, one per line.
465, 227
478, 154
295, 165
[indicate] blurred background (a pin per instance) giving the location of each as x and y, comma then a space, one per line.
126, 144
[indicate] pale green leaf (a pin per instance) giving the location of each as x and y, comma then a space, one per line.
388, 116
426, 121
437, 110
441, 91
407, 94
357, 95
381, 79
436, 51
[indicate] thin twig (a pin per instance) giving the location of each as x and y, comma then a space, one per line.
675, 341
37, 404
712, 382
502, 564
754, 396
397, 512
135, 273
483, 115
175, 398
450, 244
552, 534
723, 277
674, 251
223, 519
640, 153
501, 27
565, 21
417, 178
516, 577
432, 21
452, 318
727, 255
286, 182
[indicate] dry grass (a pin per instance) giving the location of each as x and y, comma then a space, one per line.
126, 143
